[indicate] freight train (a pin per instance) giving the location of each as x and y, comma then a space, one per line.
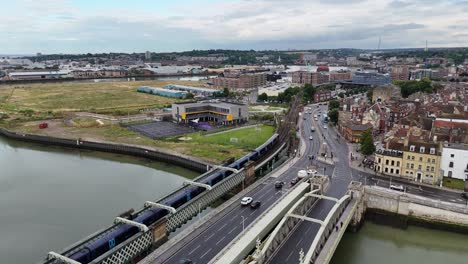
123, 232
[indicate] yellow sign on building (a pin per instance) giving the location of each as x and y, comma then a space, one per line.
184, 116
229, 117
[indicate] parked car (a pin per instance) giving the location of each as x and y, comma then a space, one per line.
464, 195
325, 127
246, 200
279, 184
400, 188
312, 172
255, 204
311, 138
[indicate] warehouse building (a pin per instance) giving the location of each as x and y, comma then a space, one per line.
37, 75
219, 113
162, 92
197, 91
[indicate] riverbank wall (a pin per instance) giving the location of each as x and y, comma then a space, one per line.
397, 209
179, 160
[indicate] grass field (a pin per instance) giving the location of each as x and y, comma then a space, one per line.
213, 148
453, 183
101, 97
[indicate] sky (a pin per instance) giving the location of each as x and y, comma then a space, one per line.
82, 26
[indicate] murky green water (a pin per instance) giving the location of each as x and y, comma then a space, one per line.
377, 244
51, 197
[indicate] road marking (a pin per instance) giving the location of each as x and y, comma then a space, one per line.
289, 255
222, 227
205, 253
252, 212
232, 230
193, 250
208, 238
219, 241
298, 242
271, 197
307, 231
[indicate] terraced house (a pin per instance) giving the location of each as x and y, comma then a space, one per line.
421, 162
389, 162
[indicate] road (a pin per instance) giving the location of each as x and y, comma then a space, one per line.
209, 243
302, 236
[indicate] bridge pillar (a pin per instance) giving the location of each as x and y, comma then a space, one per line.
356, 190
159, 230
249, 169
319, 182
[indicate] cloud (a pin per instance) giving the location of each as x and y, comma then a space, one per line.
62, 26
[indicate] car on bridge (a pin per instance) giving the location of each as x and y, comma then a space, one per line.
255, 205
246, 200
279, 184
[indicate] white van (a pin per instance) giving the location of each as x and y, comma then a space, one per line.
400, 188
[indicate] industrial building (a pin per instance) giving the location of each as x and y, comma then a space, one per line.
162, 92
37, 75
371, 78
197, 91
219, 113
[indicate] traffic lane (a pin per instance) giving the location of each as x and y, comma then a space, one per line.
213, 240
413, 188
217, 229
304, 233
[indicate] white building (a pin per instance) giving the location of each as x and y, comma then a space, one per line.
454, 162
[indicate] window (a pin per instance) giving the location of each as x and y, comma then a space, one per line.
428, 160
391, 171
432, 169
398, 163
420, 159
450, 174
432, 151
451, 164
452, 155
427, 168
407, 172
433, 160
408, 157
379, 160
419, 167
411, 148
397, 171
412, 166
386, 162
407, 165
386, 169
393, 163
422, 149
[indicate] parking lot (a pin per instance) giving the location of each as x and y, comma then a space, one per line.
161, 129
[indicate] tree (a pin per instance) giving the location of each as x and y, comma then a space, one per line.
309, 92
370, 94
226, 92
367, 143
334, 104
262, 97
333, 115
189, 96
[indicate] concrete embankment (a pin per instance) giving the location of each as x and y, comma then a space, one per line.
179, 160
399, 209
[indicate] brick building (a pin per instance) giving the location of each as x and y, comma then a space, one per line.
322, 95
400, 73
340, 76
237, 81
314, 78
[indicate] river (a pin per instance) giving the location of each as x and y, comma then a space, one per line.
386, 245
51, 197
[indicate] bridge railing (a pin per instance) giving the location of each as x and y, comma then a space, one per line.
325, 230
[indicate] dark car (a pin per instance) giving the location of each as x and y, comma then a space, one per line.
294, 181
255, 205
279, 184
464, 195
185, 261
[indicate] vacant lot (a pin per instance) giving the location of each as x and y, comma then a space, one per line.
213, 148
101, 97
